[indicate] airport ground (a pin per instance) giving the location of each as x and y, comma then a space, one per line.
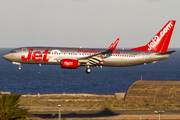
116, 117
91, 106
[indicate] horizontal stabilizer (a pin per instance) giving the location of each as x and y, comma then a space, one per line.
164, 53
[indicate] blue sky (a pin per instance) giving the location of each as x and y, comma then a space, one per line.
87, 23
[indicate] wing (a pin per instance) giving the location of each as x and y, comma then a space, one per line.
98, 58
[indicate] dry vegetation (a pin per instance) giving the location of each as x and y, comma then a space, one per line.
96, 101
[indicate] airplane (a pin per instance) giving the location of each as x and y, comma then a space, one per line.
72, 58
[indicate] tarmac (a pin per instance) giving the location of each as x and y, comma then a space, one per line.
52, 112
69, 110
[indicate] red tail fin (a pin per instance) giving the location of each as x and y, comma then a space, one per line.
160, 42
113, 45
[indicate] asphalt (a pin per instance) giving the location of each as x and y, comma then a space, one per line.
107, 111
92, 114
68, 110
81, 112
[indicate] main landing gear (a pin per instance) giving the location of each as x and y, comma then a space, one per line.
88, 70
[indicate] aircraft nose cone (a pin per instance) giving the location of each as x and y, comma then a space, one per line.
6, 56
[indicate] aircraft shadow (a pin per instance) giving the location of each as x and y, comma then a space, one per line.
80, 114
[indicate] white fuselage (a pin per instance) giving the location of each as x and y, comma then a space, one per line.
54, 55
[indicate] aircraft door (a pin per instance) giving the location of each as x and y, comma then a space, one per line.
24, 52
142, 56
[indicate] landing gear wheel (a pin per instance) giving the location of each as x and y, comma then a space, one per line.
88, 70
19, 66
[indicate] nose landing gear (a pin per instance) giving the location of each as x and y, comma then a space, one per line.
19, 67
16, 63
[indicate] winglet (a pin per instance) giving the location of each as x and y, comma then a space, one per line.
113, 45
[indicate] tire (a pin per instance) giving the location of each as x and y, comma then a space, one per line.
88, 70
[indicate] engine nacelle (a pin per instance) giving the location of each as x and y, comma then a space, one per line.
69, 63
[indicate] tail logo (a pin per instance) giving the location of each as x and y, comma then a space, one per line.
157, 38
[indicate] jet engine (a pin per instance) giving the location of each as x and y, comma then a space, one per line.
69, 63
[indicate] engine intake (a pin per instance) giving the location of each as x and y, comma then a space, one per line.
69, 63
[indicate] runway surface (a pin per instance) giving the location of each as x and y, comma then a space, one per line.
52, 112
69, 110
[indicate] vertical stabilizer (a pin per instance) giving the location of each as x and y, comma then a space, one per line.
161, 40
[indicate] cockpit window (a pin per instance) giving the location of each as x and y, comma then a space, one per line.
12, 51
